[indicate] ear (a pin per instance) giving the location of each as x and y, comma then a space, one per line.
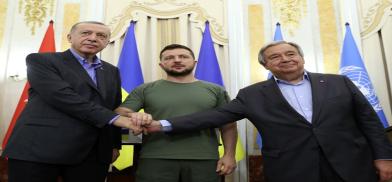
69, 38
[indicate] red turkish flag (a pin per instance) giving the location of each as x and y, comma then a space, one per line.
47, 45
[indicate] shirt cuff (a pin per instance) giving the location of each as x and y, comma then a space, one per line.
166, 125
114, 119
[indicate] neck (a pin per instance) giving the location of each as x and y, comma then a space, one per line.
181, 79
88, 57
292, 77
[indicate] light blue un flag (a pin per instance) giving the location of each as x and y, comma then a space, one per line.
352, 66
278, 33
277, 37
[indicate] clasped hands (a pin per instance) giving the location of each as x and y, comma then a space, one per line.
138, 122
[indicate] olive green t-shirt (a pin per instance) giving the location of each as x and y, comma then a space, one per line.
165, 99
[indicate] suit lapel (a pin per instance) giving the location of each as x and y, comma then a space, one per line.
73, 63
272, 92
319, 85
101, 81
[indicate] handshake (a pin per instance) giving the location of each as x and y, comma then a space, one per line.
138, 122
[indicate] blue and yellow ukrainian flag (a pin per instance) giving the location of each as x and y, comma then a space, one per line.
131, 77
207, 69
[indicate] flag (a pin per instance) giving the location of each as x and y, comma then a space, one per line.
129, 64
207, 66
131, 77
207, 69
47, 45
277, 37
278, 33
352, 66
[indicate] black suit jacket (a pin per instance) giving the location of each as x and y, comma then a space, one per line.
67, 115
344, 126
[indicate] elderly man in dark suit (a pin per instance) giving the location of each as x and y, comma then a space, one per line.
67, 127
315, 127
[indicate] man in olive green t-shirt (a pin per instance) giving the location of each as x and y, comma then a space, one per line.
190, 157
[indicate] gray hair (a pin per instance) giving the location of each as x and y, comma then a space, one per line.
261, 57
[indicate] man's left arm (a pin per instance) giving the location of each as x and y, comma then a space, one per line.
371, 126
227, 163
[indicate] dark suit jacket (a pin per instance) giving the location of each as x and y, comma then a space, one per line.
67, 115
344, 126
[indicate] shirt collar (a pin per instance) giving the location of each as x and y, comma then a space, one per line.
280, 81
96, 61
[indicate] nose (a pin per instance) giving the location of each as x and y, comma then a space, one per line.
92, 37
177, 59
285, 58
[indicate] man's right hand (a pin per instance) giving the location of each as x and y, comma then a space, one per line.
140, 118
125, 122
145, 122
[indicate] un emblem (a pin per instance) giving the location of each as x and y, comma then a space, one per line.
361, 79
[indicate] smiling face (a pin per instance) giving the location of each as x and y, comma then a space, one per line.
177, 62
87, 39
283, 59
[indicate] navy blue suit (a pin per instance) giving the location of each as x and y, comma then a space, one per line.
344, 128
67, 114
